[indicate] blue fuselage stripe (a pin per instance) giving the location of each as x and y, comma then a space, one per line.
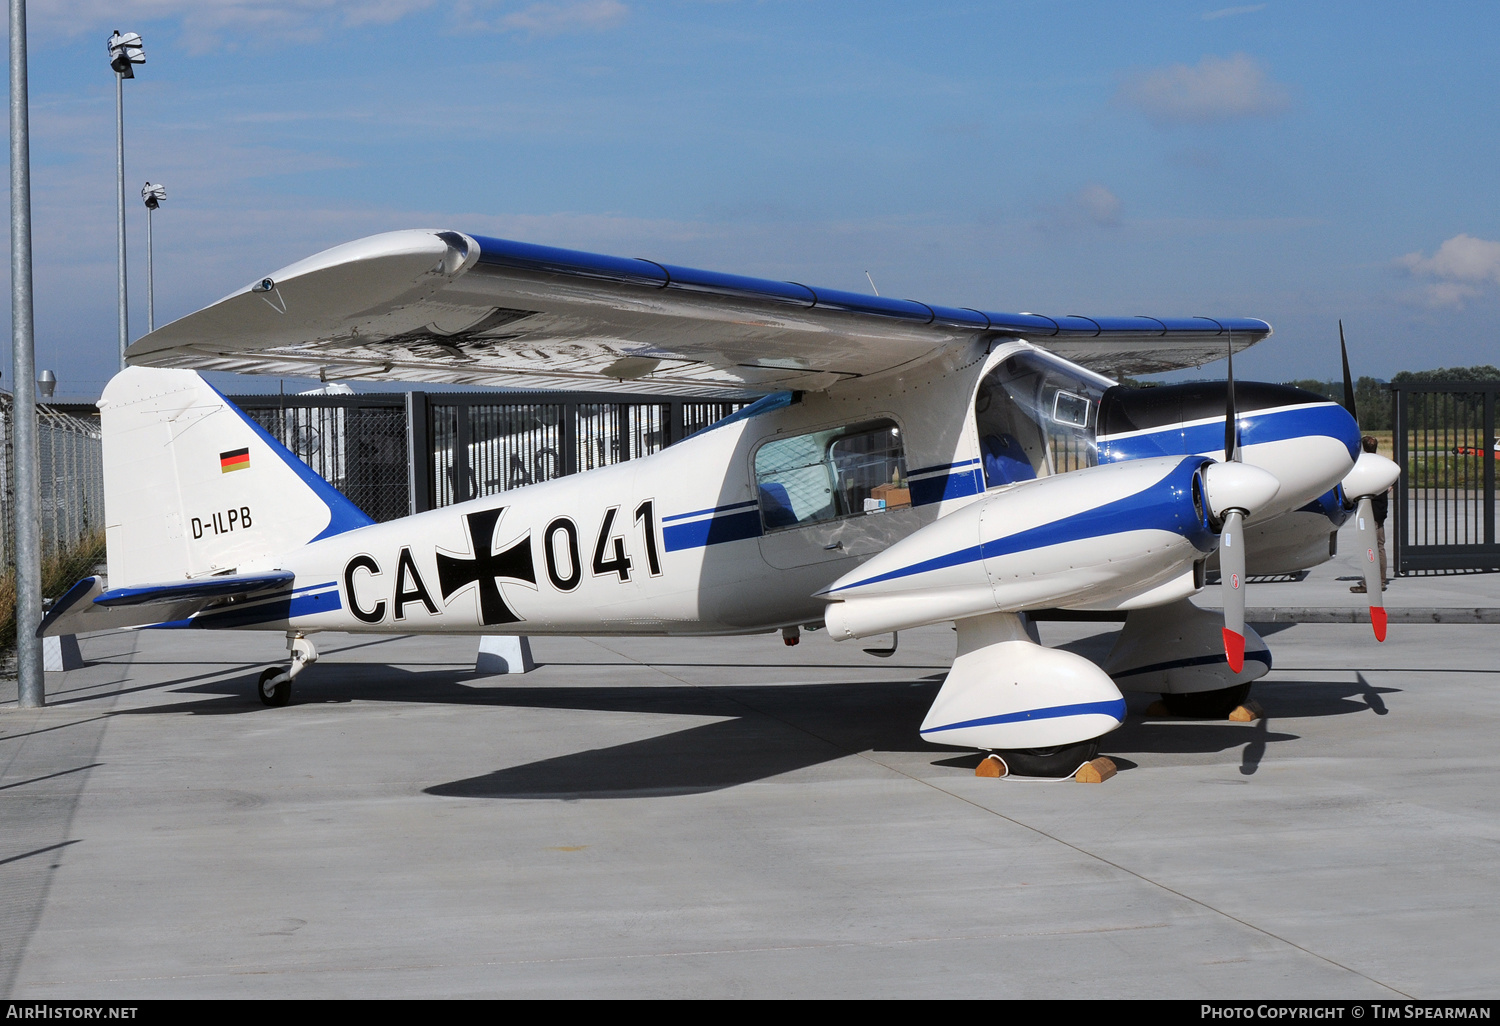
957, 485
1256, 428
713, 531
705, 512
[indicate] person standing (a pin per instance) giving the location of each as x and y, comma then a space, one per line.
1380, 505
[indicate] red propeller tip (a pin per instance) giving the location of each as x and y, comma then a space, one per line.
1377, 620
1234, 649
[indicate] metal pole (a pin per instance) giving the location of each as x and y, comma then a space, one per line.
150, 275
120, 226
32, 685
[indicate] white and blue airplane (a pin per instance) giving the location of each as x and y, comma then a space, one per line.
907, 465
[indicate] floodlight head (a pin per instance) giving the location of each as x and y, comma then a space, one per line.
46, 383
125, 50
152, 195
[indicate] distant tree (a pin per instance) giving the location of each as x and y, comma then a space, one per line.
1331, 389
1483, 372
1451, 411
1371, 399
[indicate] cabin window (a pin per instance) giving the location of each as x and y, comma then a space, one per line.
1036, 415
826, 475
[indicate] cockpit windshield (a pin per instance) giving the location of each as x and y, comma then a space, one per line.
1036, 415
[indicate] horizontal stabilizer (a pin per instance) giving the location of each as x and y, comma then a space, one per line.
88, 607
221, 586
77, 613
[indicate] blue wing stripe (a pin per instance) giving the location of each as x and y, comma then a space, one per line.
523, 256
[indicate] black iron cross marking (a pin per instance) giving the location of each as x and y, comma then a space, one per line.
487, 565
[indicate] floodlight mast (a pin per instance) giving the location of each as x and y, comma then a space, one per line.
151, 195
125, 52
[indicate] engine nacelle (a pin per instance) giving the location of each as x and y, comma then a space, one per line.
1111, 537
1372, 475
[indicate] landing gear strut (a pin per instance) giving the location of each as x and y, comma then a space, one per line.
275, 686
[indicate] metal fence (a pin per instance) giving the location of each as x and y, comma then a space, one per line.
1444, 441
466, 445
358, 446
394, 454
71, 476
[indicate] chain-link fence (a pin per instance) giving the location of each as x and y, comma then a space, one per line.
71, 476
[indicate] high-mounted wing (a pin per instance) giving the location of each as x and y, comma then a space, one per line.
442, 306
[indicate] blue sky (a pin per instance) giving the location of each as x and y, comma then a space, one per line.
1295, 162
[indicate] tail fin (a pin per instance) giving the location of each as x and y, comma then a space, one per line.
192, 486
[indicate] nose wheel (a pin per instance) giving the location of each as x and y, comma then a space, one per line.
275, 684
275, 688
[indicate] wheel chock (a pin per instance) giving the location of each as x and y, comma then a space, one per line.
1247, 713
991, 766
1096, 771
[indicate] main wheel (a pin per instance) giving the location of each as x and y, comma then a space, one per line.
1207, 705
274, 693
1060, 761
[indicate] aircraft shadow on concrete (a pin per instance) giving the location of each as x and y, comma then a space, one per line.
767, 730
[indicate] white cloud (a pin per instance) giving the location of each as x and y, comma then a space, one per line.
1233, 12
1216, 89
1092, 206
1098, 204
551, 19
1460, 267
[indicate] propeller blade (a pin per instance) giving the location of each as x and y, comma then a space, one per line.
1231, 415
1374, 589
1232, 579
1348, 378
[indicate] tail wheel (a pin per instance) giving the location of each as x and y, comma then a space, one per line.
273, 692
1061, 761
1207, 705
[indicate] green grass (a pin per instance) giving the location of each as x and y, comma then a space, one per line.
59, 572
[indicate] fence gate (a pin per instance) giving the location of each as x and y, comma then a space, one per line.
1444, 441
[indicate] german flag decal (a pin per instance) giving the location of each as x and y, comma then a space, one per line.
234, 459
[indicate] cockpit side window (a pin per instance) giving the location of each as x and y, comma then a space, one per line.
827, 475
1035, 416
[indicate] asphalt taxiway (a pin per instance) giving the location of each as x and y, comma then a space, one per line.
730, 817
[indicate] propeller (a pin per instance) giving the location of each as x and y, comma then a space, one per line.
1234, 490
1364, 521
1232, 540
1348, 379
1364, 516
